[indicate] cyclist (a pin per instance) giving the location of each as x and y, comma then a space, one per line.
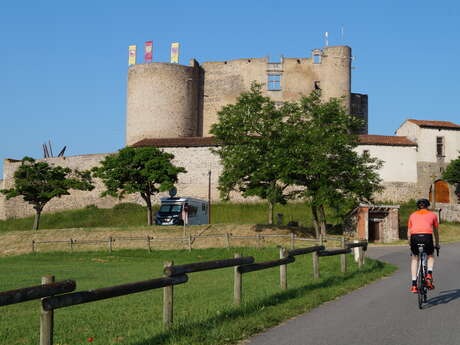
423, 224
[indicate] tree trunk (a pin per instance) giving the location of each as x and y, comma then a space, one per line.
271, 210
149, 210
37, 219
314, 212
323, 221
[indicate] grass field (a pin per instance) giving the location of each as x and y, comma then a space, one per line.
133, 215
203, 310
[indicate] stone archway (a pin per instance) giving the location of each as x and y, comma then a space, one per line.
441, 189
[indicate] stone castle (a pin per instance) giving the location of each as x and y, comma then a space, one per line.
173, 106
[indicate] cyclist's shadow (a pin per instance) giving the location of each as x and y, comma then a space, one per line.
444, 297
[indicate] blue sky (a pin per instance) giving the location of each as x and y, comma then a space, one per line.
63, 66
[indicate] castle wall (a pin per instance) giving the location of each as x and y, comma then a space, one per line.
225, 81
197, 161
222, 83
162, 101
16, 207
397, 192
171, 100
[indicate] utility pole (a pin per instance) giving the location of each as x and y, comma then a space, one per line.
209, 196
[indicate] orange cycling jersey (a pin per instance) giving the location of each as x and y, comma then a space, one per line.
422, 222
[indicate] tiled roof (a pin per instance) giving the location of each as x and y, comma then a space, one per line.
364, 139
436, 124
369, 139
177, 142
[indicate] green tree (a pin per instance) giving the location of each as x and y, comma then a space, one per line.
322, 158
39, 182
145, 170
452, 175
249, 136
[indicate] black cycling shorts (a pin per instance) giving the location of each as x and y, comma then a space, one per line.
426, 239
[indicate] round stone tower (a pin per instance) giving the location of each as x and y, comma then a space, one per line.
162, 101
336, 73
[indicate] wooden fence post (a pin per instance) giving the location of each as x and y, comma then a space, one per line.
71, 245
283, 269
343, 257
363, 256
168, 301
258, 241
33, 246
227, 239
315, 260
110, 243
189, 242
148, 243
46, 318
237, 284
292, 240
360, 257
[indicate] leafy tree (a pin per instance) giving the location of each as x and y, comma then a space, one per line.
452, 172
320, 145
39, 182
145, 170
249, 135
452, 175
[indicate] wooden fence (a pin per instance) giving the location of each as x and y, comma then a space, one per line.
187, 241
56, 295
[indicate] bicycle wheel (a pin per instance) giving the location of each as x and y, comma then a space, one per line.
420, 287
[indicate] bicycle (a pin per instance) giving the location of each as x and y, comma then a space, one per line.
422, 288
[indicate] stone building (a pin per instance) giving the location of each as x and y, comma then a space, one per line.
169, 100
173, 106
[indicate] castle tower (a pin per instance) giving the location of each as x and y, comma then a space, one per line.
335, 73
162, 101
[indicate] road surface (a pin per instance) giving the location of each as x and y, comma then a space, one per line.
384, 312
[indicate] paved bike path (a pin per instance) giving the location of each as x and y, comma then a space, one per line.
384, 312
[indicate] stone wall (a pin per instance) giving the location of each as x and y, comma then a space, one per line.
197, 160
449, 212
397, 192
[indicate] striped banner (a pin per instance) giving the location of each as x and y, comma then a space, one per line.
148, 49
175, 52
132, 55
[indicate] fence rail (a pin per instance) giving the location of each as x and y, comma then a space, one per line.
59, 295
35, 292
81, 297
208, 265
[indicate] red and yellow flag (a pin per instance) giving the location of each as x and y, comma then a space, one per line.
148, 51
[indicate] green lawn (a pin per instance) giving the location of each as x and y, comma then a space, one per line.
133, 215
203, 310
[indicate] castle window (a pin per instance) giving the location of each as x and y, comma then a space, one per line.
366, 153
439, 146
317, 85
317, 56
274, 82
